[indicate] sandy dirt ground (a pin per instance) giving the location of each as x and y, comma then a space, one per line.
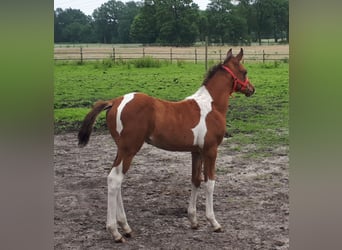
251, 198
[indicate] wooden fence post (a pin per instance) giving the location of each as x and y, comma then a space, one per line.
113, 55
263, 56
206, 53
220, 55
81, 55
195, 56
171, 55
143, 51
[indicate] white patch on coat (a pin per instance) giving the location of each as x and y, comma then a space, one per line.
114, 181
192, 206
126, 99
203, 100
209, 207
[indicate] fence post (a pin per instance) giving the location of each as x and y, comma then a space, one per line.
195, 56
143, 51
263, 56
81, 53
206, 53
113, 55
220, 55
171, 55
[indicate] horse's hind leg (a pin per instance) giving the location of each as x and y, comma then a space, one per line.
114, 181
115, 210
121, 215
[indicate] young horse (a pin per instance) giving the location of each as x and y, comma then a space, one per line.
196, 124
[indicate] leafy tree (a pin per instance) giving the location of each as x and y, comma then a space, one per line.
225, 22
72, 25
281, 20
177, 21
126, 18
203, 25
272, 18
143, 28
107, 18
113, 21
173, 22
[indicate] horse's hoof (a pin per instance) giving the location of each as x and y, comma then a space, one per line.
120, 240
218, 230
128, 235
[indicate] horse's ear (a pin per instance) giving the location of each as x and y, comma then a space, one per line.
229, 55
240, 55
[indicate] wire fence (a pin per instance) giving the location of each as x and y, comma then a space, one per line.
172, 54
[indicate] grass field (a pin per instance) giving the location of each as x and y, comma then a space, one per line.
261, 120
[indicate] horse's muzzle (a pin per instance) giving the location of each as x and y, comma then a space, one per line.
250, 90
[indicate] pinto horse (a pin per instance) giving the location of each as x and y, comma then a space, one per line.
196, 124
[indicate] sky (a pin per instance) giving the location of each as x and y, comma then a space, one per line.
88, 6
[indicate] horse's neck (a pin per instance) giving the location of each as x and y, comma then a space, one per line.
220, 95
205, 97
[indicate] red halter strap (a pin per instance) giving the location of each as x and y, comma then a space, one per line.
236, 80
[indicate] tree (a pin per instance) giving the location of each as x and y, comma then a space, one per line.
107, 21
72, 25
169, 22
177, 21
225, 23
113, 21
143, 28
203, 26
272, 18
130, 10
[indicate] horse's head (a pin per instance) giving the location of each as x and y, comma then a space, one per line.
232, 64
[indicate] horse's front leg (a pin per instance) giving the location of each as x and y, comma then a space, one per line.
196, 182
209, 177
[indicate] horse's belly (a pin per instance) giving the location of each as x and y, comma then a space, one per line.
180, 142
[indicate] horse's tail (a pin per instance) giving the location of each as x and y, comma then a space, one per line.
89, 120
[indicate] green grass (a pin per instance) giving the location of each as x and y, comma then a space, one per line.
261, 119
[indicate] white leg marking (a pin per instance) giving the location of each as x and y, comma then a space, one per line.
126, 99
209, 208
203, 100
192, 207
114, 181
121, 215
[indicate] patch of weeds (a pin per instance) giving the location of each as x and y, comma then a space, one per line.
180, 63
274, 65
146, 62
107, 63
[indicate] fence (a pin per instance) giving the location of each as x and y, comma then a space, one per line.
200, 54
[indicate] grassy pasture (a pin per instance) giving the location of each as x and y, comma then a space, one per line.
261, 120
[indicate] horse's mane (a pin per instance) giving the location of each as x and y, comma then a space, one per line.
211, 73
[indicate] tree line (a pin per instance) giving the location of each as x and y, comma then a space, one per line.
175, 22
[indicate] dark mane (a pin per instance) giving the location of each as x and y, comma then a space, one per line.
211, 72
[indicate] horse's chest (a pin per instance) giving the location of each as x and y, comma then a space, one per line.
204, 102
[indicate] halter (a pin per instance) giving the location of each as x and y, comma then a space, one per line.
236, 80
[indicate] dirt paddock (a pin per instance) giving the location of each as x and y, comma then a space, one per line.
250, 199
